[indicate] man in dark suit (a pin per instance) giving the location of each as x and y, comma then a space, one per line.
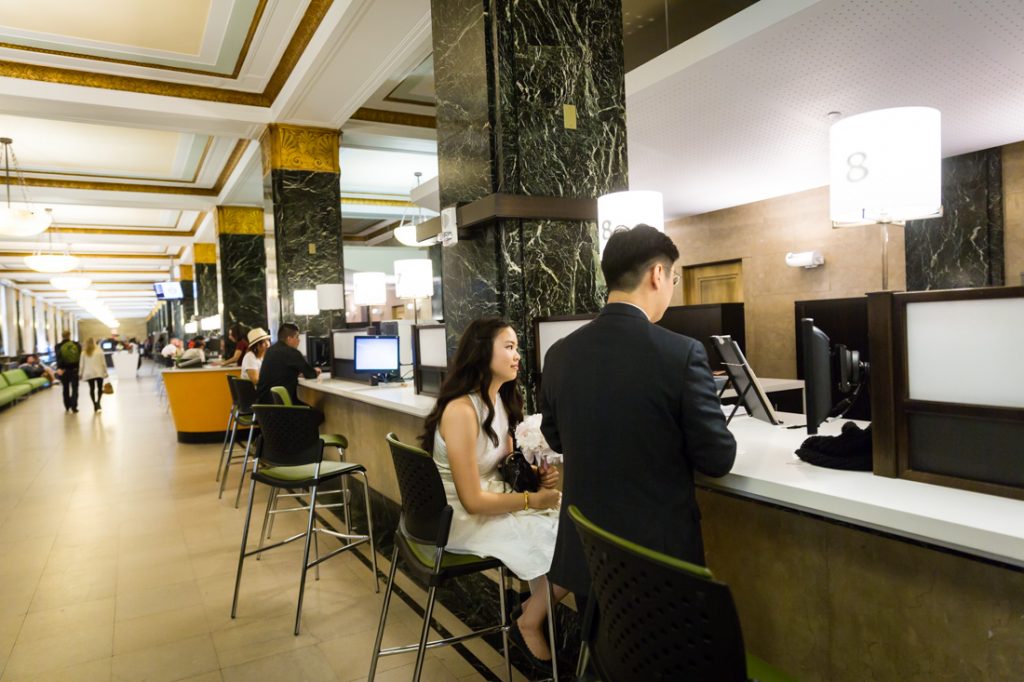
282, 365
634, 409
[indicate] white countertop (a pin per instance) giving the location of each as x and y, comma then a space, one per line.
767, 469
206, 368
400, 398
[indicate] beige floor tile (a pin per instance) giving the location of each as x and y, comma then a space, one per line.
307, 663
212, 676
248, 641
349, 655
158, 599
92, 671
9, 629
159, 628
133, 578
76, 587
433, 671
170, 661
16, 595
81, 644
92, 615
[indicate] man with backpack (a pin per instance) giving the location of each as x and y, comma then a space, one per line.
68, 353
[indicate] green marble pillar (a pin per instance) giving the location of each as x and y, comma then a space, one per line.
242, 266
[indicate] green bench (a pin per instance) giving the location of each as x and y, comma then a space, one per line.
15, 384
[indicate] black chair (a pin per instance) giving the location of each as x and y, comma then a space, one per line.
659, 617
290, 454
243, 417
232, 413
420, 540
245, 391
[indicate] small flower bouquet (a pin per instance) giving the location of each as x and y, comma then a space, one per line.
530, 439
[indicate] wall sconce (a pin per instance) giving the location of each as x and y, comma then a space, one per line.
805, 259
626, 210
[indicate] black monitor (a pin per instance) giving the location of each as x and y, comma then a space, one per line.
318, 351
167, 291
818, 363
376, 354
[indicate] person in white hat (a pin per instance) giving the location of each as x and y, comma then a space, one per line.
259, 341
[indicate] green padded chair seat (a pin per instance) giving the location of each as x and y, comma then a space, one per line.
8, 395
302, 476
760, 671
18, 390
15, 376
334, 440
38, 382
420, 559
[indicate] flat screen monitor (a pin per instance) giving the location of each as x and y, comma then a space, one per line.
748, 389
376, 353
167, 291
817, 371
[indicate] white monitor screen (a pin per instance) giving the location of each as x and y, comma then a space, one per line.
166, 291
376, 353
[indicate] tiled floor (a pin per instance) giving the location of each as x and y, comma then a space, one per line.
117, 563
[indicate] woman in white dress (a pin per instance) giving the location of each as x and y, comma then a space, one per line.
259, 342
469, 433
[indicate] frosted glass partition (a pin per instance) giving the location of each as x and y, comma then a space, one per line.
548, 332
345, 345
967, 351
433, 348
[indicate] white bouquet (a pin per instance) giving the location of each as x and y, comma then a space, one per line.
530, 439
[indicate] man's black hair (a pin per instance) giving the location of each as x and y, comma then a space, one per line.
630, 253
287, 331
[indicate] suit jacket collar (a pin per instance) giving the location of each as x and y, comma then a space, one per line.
626, 309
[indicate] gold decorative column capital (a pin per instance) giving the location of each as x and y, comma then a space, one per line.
205, 253
185, 272
288, 147
239, 220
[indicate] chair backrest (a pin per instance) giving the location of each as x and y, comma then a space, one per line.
289, 435
245, 394
426, 514
233, 390
280, 395
659, 618
15, 376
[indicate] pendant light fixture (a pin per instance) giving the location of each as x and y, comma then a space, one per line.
406, 231
18, 222
50, 261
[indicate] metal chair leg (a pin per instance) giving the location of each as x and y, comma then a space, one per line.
502, 582
305, 556
224, 445
241, 552
245, 465
369, 530
271, 502
549, 594
227, 459
384, 616
421, 652
270, 524
316, 555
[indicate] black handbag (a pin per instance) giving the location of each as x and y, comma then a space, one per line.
518, 473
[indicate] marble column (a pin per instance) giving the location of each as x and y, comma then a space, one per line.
186, 275
963, 248
207, 298
242, 266
530, 101
302, 196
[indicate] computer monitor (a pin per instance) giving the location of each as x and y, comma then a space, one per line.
818, 363
748, 389
318, 350
377, 354
168, 291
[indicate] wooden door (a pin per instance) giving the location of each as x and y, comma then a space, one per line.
713, 283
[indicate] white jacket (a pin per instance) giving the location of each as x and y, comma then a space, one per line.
92, 366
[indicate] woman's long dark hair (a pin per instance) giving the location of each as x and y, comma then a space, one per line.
471, 373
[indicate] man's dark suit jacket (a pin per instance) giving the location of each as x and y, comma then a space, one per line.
634, 409
282, 366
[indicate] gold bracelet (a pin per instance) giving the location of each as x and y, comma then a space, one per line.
526, 500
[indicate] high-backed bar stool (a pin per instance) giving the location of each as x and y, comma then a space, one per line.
245, 418
420, 541
232, 414
659, 617
290, 454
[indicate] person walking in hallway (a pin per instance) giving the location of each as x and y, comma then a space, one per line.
68, 354
634, 409
93, 369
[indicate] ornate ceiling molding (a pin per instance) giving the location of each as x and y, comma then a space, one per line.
288, 147
394, 118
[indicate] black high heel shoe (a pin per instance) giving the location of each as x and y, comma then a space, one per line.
517, 638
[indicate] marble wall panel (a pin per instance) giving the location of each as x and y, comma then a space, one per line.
963, 248
307, 237
207, 303
242, 260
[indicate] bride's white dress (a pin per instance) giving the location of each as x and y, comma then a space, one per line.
524, 540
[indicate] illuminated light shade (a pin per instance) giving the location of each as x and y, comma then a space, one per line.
191, 327
330, 296
51, 262
209, 324
626, 210
83, 294
71, 282
370, 288
414, 278
18, 222
885, 166
304, 302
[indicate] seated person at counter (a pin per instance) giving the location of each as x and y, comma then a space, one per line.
633, 408
257, 343
172, 349
470, 434
194, 356
282, 365
34, 368
237, 336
